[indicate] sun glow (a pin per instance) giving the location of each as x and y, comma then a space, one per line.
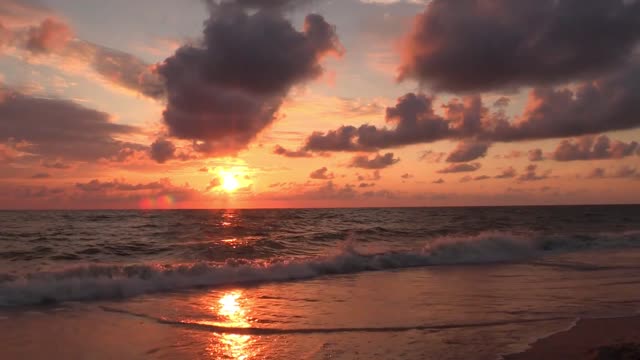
229, 182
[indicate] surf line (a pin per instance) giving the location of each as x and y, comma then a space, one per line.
302, 331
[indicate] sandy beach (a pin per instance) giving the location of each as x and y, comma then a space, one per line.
593, 339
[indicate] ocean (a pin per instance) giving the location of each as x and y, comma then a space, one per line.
386, 283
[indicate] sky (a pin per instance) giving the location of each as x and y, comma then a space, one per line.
154, 104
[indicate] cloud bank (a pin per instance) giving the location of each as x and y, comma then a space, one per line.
477, 45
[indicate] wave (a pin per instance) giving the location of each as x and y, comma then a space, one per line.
99, 282
262, 331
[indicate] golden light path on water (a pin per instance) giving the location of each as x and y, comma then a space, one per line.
230, 308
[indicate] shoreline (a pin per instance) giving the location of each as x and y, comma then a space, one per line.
592, 339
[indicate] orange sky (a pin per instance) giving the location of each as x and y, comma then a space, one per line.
85, 94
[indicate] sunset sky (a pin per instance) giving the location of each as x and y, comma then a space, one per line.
319, 103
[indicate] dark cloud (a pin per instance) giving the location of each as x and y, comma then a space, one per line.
514, 154
623, 172
588, 108
41, 176
375, 176
597, 173
590, 148
214, 183
162, 150
37, 192
329, 190
334, 140
439, 181
507, 173
471, 45
414, 120
117, 67
366, 185
502, 102
431, 156
471, 178
118, 185
60, 129
50, 35
406, 176
321, 174
468, 151
55, 165
535, 155
225, 90
627, 172
121, 68
377, 162
530, 174
99, 194
457, 168
279, 150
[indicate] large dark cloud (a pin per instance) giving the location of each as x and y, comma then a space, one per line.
377, 162
414, 121
609, 103
53, 128
225, 90
590, 148
470, 45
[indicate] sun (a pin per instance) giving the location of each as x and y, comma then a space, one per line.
229, 182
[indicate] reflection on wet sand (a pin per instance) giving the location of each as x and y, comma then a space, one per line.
231, 311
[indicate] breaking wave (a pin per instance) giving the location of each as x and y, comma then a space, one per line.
98, 282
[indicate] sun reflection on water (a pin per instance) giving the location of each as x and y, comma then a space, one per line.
229, 218
230, 309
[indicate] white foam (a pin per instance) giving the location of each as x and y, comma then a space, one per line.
94, 282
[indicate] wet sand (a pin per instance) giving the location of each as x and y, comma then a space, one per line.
592, 339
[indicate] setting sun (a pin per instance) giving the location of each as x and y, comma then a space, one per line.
229, 182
